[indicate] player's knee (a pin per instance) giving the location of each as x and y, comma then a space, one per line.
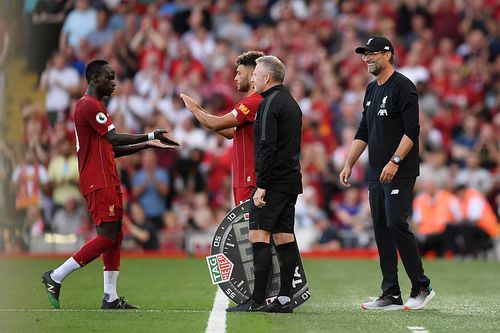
283, 238
259, 236
109, 229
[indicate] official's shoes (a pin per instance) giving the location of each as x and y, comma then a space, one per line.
118, 304
384, 302
53, 289
419, 298
277, 307
248, 305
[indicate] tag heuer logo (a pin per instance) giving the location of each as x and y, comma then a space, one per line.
220, 268
246, 216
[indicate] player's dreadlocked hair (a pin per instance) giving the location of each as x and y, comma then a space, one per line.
93, 68
248, 58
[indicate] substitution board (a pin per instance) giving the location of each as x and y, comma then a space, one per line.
231, 262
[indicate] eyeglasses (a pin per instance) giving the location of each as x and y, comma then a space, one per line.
370, 55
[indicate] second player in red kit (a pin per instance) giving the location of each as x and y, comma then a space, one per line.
97, 145
237, 125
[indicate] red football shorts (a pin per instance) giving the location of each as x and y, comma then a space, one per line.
105, 204
242, 194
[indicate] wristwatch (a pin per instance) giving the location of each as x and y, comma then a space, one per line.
396, 159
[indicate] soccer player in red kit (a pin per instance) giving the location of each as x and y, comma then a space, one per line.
237, 125
97, 145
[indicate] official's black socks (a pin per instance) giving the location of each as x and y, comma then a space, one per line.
288, 258
262, 260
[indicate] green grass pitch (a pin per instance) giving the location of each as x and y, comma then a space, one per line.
176, 295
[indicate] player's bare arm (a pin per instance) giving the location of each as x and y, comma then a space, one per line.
122, 139
131, 149
215, 123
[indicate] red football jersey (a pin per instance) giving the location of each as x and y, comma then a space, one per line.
96, 160
243, 157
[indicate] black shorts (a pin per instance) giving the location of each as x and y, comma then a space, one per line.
278, 215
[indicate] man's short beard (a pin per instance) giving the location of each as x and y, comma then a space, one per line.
377, 69
244, 86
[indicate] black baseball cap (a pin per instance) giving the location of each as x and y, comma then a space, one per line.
376, 44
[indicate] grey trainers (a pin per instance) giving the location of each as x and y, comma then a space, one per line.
419, 298
277, 307
385, 302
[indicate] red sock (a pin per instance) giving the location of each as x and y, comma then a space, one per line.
111, 257
93, 249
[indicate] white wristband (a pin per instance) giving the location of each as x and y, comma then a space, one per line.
151, 135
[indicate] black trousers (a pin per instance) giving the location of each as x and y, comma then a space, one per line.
390, 206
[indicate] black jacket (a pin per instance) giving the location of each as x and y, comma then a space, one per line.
390, 111
277, 138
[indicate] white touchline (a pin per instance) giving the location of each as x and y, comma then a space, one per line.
105, 311
217, 320
417, 329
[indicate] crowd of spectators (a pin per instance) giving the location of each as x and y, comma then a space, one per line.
449, 49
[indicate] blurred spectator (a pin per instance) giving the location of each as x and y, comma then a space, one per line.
255, 13
353, 214
488, 147
466, 139
479, 226
63, 174
445, 19
4, 51
475, 176
7, 162
150, 185
434, 170
329, 237
198, 38
150, 79
29, 180
189, 136
184, 64
433, 210
81, 21
173, 109
189, 177
134, 109
203, 217
308, 214
37, 131
58, 81
234, 29
148, 42
142, 231
47, 21
33, 225
69, 219
414, 70
172, 234
127, 59
102, 35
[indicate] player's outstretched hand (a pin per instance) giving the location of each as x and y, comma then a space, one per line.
161, 145
161, 134
189, 102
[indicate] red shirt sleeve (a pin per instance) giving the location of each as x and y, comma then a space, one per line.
247, 108
98, 118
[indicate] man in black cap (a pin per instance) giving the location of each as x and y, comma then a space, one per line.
390, 128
